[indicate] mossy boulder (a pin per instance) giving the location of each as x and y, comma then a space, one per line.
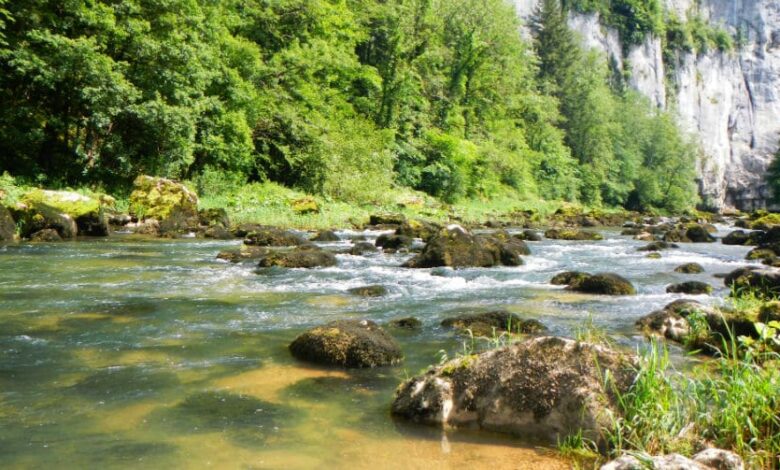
572, 234
301, 257
52, 209
305, 205
245, 253
544, 388
689, 268
47, 235
416, 228
761, 254
164, 199
325, 236
497, 321
604, 284
740, 237
690, 287
7, 225
386, 219
569, 278
392, 242
762, 281
347, 343
214, 217
369, 291
529, 236
765, 221
274, 237
770, 311
699, 234
455, 247
218, 232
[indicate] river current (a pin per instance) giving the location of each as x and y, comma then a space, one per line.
126, 352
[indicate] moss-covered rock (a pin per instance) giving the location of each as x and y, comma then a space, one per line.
392, 242
761, 254
305, 205
51, 209
386, 219
604, 284
690, 287
740, 237
770, 311
161, 199
455, 247
497, 321
245, 253
214, 217
572, 234
689, 268
657, 246
569, 278
347, 343
274, 237
301, 257
7, 225
416, 228
763, 281
326, 236
47, 235
362, 248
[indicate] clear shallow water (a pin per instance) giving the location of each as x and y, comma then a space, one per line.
126, 352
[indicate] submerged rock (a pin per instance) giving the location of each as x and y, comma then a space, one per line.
572, 234
657, 246
361, 248
369, 291
604, 284
271, 236
690, 287
543, 388
689, 268
301, 257
408, 323
347, 343
497, 321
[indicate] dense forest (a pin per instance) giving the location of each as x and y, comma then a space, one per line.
345, 98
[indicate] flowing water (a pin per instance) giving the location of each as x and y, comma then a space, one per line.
145, 353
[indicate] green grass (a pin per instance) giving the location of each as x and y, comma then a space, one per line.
732, 403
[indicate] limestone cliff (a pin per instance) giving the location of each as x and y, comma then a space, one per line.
729, 100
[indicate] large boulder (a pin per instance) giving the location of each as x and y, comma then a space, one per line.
245, 253
7, 225
569, 278
347, 343
544, 388
67, 212
173, 204
699, 234
604, 284
740, 237
455, 247
270, 236
497, 321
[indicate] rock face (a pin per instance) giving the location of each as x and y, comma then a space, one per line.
171, 203
347, 343
545, 388
728, 100
455, 247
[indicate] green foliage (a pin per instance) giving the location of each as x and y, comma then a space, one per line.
343, 99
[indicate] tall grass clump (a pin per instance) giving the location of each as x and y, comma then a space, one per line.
732, 403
